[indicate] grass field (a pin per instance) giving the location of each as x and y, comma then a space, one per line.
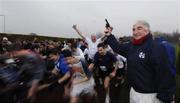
177, 77
177, 49
178, 88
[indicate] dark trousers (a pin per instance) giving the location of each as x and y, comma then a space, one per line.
101, 93
115, 90
8, 97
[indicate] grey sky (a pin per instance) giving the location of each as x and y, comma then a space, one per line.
56, 17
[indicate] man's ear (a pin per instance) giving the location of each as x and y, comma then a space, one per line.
147, 31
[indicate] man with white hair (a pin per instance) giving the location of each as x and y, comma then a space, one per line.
4, 44
148, 68
92, 43
6, 41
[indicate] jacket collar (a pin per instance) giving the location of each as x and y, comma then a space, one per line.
141, 40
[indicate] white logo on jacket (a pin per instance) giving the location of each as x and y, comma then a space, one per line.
141, 55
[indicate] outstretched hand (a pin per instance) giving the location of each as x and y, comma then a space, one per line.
77, 30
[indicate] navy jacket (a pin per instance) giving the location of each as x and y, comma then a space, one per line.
147, 67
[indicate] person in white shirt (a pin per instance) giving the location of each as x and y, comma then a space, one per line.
82, 82
92, 42
76, 51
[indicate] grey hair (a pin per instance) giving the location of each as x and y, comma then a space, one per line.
144, 23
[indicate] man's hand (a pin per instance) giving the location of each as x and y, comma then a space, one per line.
108, 31
74, 26
55, 71
113, 74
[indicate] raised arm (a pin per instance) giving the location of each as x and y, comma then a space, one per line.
77, 30
121, 49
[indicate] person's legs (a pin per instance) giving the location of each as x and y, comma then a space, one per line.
115, 90
7, 97
106, 83
74, 99
106, 87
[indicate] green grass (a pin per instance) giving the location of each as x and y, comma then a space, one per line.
178, 87
177, 76
177, 48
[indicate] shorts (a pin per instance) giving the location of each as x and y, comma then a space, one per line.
85, 88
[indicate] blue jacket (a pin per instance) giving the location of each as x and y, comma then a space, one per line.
171, 53
147, 67
62, 65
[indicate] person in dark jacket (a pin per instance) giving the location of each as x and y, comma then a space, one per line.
147, 66
32, 69
105, 64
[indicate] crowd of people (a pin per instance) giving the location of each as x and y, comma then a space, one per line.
91, 69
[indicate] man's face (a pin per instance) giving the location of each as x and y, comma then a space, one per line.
93, 38
69, 44
53, 57
139, 31
101, 50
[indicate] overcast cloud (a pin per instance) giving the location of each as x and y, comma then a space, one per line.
56, 17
